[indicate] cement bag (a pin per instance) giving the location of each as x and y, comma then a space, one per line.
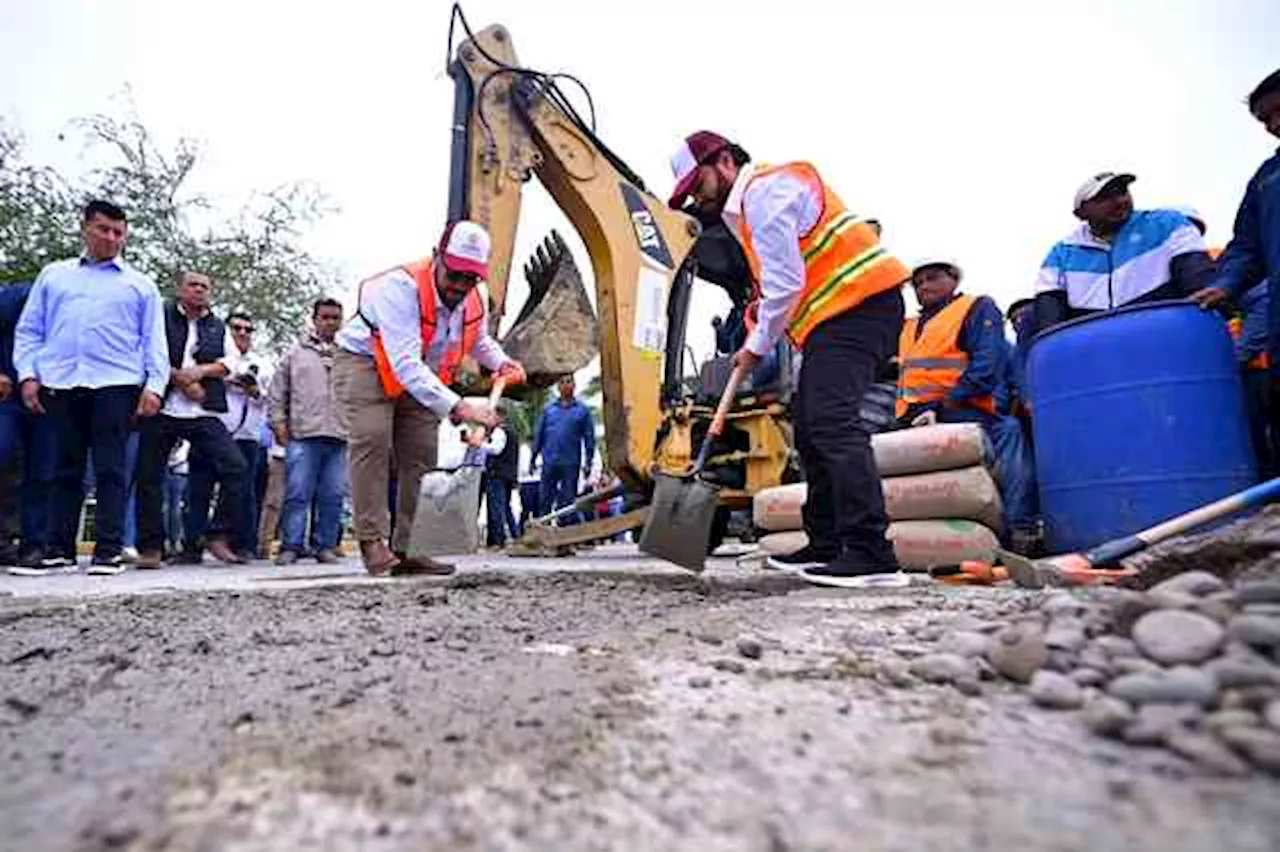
448, 517
918, 545
968, 494
943, 446
778, 508
921, 545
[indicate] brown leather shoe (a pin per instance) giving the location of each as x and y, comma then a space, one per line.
222, 552
379, 561
149, 560
422, 566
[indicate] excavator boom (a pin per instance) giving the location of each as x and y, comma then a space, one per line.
511, 124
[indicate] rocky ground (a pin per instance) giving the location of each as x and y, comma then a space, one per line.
640, 709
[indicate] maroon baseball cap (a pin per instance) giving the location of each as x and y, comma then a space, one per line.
695, 151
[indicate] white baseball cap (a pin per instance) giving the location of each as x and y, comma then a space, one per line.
1090, 189
465, 247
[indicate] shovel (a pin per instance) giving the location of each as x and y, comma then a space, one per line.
1090, 568
684, 507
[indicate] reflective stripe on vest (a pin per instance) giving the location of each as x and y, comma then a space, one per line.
844, 263
455, 350
930, 366
1261, 361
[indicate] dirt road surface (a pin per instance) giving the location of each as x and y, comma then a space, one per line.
600, 702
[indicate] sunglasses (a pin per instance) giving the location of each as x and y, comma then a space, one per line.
246, 329
466, 278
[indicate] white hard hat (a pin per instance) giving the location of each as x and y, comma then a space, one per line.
944, 262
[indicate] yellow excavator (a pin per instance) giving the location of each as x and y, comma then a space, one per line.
512, 123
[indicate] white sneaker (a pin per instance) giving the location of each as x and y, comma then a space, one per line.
890, 580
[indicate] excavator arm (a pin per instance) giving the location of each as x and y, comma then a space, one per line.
511, 124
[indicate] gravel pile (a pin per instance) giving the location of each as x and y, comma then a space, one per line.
1191, 665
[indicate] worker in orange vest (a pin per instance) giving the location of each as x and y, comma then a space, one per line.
396, 360
953, 367
822, 279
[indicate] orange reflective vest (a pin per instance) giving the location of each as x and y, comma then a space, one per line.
472, 321
844, 263
930, 365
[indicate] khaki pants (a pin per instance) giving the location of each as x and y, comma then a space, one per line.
272, 504
382, 432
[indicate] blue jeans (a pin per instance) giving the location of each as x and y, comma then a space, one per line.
502, 521
317, 470
559, 489
1015, 470
175, 494
25, 433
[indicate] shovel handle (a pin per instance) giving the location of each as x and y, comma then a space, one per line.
736, 378
495, 396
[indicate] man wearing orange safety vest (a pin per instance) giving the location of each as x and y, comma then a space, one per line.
822, 279
396, 359
953, 367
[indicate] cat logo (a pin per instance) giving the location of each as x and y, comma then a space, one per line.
646, 227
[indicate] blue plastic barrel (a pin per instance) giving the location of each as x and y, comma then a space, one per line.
1138, 416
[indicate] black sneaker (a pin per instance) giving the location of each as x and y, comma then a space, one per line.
37, 564
107, 564
855, 572
286, 557
806, 557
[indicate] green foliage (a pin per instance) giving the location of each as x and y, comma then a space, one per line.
254, 256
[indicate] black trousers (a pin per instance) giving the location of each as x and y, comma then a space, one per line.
211, 440
844, 512
84, 418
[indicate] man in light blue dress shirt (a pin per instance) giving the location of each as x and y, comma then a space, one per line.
90, 354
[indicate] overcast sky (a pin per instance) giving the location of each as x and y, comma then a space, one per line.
964, 126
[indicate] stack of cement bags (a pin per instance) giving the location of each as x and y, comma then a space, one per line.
943, 504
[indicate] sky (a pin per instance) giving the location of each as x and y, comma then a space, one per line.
965, 127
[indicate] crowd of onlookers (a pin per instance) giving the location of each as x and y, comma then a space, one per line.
187, 438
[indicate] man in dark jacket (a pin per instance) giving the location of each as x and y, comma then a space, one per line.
1253, 255
201, 355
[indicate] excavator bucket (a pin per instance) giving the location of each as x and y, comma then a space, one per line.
556, 331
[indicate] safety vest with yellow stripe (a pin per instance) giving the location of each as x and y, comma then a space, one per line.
455, 350
844, 263
930, 365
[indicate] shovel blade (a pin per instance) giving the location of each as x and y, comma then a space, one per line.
556, 331
680, 520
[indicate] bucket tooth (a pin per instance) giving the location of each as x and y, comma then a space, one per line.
556, 331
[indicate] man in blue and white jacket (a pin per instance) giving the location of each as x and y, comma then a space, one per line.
1119, 256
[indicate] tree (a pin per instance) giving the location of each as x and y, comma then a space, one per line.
254, 256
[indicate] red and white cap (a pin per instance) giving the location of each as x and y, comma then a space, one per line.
465, 247
696, 150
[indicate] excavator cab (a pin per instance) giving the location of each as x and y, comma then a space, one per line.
512, 123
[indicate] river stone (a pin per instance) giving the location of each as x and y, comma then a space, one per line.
1219, 611
1134, 665
1272, 714
1223, 719
1233, 672
1088, 677
943, 668
1055, 691
1260, 745
1178, 685
1258, 592
1107, 716
1065, 636
1018, 652
1116, 646
1258, 630
1171, 600
965, 643
1093, 657
1174, 636
1207, 752
895, 673
1155, 723
1271, 609
1062, 605
1196, 583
